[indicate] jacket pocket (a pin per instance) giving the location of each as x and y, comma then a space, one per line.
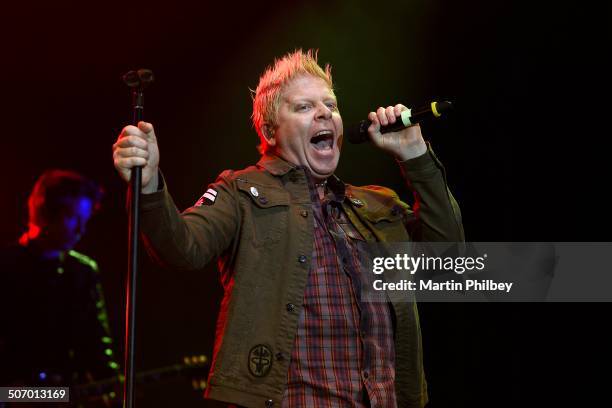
387, 223
266, 212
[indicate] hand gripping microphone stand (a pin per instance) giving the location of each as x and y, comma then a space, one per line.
137, 81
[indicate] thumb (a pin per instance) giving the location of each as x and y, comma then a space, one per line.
147, 128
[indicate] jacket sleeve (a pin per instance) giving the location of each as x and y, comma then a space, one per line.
189, 240
437, 217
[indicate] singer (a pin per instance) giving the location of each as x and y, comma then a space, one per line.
292, 330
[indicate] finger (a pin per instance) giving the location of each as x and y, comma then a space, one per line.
382, 116
375, 125
131, 141
147, 128
399, 108
390, 112
131, 130
130, 162
131, 152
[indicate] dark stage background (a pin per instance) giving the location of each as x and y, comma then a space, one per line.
525, 153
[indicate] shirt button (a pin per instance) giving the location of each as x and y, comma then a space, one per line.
304, 213
269, 403
290, 307
302, 259
366, 374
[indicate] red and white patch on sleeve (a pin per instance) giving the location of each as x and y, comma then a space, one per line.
208, 198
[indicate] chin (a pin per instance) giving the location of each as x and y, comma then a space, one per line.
324, 171
322, 166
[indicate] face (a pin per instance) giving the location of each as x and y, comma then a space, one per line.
309, 127
66, 229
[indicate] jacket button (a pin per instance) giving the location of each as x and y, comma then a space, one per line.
269, 403
290, 307
302, 259
304, 213
280, 356
263, 200
357, 202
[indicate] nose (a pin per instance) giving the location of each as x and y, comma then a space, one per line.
323, 111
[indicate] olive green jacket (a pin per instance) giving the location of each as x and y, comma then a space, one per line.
260, 228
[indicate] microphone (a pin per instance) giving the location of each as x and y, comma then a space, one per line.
358, 133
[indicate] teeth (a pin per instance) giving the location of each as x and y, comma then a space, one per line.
323, 132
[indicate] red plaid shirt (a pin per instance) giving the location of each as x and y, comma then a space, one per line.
343, 354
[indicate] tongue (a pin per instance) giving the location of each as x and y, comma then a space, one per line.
323, 144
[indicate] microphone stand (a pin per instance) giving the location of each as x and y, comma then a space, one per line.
137, 81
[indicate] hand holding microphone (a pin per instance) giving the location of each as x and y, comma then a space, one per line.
392, 129
404, 143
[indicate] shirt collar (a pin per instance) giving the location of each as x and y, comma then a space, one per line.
337, 188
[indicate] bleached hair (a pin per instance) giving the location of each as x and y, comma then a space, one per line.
267, 96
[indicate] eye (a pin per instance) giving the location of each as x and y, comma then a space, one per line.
303, 107
332, 106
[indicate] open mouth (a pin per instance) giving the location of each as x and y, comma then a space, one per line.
323, 140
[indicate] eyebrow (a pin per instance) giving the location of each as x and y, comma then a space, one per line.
301, 100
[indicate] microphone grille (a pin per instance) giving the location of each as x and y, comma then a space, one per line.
443, 106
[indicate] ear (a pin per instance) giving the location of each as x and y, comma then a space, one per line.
268, 132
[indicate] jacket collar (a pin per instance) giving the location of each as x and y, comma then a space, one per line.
275, 165
278, 166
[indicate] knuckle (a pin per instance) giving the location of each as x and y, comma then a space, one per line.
128, 130
135, 141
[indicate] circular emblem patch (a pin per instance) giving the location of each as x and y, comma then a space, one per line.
260, 360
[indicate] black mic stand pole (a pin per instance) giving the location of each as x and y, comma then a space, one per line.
137, 81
